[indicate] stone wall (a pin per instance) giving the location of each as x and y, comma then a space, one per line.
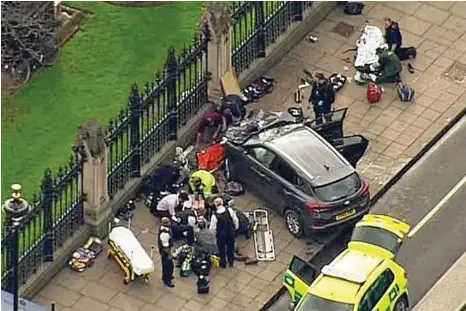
97, 211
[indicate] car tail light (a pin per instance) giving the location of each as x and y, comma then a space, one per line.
365, 189
316, 207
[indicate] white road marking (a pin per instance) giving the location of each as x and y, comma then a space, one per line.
443, 280
437, 207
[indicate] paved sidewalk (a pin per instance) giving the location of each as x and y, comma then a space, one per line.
448, 293
397, 132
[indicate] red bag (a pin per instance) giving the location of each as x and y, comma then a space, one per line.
374, 93
211, 158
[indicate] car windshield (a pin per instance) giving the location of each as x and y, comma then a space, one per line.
376, 236
314, 303
272, 133
340, 189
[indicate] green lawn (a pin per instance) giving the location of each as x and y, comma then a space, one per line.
91, 78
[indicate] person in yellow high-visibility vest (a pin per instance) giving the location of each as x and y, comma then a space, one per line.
203, 182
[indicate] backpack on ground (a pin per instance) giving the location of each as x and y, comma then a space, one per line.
405, 93
374, 93
353, 8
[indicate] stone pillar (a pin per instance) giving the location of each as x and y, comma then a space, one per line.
218, 17
97, 208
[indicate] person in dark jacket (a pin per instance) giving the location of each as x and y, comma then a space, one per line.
233, 109
165, 244
322, 96
224, 223
392, 35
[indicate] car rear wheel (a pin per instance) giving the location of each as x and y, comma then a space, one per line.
401, 305
294, 223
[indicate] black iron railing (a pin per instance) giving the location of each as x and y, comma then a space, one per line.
57, 212
153, 117
257, 25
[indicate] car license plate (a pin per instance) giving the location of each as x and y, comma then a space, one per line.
346, 214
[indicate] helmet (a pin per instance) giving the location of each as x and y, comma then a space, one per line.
196, 181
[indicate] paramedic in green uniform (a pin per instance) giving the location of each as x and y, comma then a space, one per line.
203, 182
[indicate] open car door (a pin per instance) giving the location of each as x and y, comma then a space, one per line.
380, 234
351, 147
298, 278
332, 128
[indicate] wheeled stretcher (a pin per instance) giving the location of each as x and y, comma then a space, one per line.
125, 248
263, 237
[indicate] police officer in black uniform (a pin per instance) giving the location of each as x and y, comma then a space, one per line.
224, 223
165, 244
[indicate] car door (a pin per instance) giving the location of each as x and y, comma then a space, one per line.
384, 232
259, 160
352, 148
288, 191
298, 277
333, 128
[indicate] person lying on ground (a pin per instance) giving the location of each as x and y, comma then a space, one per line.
211, 122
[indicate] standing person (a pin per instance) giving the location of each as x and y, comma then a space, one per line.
212, 121
322, 97
224, 223
165, 244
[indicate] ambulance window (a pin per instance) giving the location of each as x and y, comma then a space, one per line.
303, 270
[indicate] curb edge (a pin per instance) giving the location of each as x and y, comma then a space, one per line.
395, 178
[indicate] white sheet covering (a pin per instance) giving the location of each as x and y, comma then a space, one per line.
371, 39
129, 244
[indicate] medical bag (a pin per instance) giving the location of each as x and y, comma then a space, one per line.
374, 93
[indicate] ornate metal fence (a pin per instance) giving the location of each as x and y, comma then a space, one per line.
57, 213
257, 25
154, 116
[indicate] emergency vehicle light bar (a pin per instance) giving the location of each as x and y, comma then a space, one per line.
345, 275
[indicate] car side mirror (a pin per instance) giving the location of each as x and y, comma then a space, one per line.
291, 306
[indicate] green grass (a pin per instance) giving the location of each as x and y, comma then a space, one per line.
91, 78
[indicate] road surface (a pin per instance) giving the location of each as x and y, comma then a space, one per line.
430, 197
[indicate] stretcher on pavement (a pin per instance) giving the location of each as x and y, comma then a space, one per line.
125, 248
263, 237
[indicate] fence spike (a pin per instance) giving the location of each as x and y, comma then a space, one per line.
71, 161
60, 172
158, 77
147, 89
122, 114
171, 64
110, 126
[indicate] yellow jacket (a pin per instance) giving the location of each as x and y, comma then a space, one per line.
208, 182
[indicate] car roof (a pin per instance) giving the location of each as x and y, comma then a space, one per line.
343, 278
312, 155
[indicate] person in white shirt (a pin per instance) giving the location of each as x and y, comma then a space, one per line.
224, 223
168, 205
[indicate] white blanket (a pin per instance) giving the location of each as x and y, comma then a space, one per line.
125, 239
371, 39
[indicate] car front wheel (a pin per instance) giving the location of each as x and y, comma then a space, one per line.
294, 223
401, 305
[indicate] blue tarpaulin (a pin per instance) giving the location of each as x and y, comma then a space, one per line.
24, 305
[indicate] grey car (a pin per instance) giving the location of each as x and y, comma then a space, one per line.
305, 171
